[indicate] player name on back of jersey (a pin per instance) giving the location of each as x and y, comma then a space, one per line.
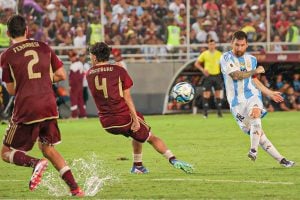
102, 69
25, 45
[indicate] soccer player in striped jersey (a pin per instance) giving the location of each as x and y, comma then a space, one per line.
243, 92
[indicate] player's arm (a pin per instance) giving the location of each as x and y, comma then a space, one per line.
274, 95
240, 75
128, 99
59, 75
199, 65
10, 87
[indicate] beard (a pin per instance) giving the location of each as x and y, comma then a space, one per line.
239, 53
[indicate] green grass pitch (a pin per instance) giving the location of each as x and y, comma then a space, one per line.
215, 146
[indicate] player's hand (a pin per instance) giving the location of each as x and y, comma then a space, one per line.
135, 126
205, 73
260, 70
276, 96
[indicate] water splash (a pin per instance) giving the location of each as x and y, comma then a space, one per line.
90, 173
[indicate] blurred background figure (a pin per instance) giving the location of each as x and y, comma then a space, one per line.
76, 76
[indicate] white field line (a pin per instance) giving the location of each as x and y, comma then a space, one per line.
200, 180
225, 181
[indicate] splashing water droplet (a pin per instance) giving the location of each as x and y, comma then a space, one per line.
90, 173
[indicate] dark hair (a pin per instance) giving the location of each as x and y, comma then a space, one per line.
240, 35
101, 50
16, 26
210, 40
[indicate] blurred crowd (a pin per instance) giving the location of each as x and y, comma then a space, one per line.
133, 22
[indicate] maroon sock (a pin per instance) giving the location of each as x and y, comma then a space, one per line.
69, 179
21, 159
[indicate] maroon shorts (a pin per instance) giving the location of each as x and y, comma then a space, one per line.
120, 125
23, 136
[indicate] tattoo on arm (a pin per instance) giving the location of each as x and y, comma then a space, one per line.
239, 75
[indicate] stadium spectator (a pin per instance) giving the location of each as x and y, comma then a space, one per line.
293, 35
207, 32
173, 36
35, 112
290, 100
4, 39
80, 40
94, 31
175, 6
277, 47
280, 84
86, 67
246, 106
76, 76
117, 112
208, 63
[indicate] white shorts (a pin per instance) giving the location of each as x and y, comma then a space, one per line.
242, 112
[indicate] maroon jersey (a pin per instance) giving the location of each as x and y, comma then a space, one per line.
106, 83
30, 65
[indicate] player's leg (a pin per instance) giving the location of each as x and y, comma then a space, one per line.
49, 135
17, 141
218, 86
255, 132
161, 148
61, 166
206, 95
266, 144
144, 134
137, 167
74, 102
219, 102
205, 103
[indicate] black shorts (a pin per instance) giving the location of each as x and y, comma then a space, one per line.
212, 81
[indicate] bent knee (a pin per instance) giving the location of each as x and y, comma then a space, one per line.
255, 113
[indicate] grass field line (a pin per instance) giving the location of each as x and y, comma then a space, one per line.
224, 181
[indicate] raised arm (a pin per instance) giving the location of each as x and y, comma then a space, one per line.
274, 95
240, 75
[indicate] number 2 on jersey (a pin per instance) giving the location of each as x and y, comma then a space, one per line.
32, 62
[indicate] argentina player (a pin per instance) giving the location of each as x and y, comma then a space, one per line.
243, 91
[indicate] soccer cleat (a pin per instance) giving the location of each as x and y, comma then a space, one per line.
178, 164
77, 192
287, 163
252, 154
37, 173
139, 170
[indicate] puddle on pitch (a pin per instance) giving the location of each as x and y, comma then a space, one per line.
90, 173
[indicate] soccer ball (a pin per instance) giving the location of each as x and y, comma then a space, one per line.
183, 92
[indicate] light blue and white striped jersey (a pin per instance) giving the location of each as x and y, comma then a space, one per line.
238, 91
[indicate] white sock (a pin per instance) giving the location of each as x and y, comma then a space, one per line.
269, 147
255, 133
168, 154
63, 170
137, 157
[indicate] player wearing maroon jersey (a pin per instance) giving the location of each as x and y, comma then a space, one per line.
110, 87
29, 69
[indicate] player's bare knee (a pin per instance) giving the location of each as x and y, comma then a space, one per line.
255, 113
